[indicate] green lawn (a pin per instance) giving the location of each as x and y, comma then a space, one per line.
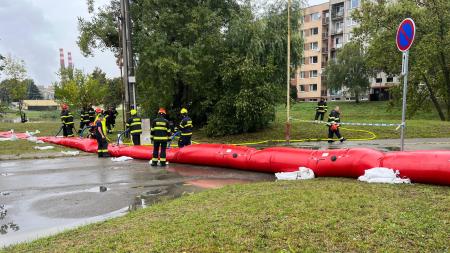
424, 125
320, 215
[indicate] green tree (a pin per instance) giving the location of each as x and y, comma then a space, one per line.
33, 91
77, 89
219, 59
113, 87
429, 56
349, 71
15, 72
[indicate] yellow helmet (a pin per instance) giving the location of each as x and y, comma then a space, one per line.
133, 112
183, 111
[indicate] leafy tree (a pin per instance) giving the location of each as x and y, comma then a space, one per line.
113, 87
219, 59
77, 89
349, 71
429, 57
15, 72
33, 91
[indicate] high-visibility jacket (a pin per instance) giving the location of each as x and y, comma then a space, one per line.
322, 106
104, 129
67, 118
160, 130
84, 116
134, 124
334, 118
186, 126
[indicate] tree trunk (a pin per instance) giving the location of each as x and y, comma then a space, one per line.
434, 99
357, 97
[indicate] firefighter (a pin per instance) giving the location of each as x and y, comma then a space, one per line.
185, 128
84, 119
134, 127
100, 135
160, 135
110, 116
321, 109
67, 121
91, 113
334, 124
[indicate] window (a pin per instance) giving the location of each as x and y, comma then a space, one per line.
313, 73
379, 80
314, 46
390, 79
302, 61
351, 22
354, 4
313, 59
314, 31
301, 88
338, 27
302, 74
313, 87
315, 16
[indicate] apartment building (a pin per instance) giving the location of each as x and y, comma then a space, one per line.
325, 29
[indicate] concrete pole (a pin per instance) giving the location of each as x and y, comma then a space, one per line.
124, 58
288, 74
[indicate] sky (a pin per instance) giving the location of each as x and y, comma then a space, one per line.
34, 30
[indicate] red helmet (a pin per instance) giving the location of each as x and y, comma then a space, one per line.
64, 106
98, 110
162, 111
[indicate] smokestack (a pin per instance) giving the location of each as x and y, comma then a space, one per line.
69, 59
61, 58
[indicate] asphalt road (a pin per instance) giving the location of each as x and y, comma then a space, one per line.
44, 196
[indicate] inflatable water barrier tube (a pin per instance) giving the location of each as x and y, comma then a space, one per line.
430, 167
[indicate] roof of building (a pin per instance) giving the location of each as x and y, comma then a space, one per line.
40, 103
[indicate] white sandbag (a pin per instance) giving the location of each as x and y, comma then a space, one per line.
301, 174
44, 147
32, 139
383, 175
39, 142
121, 159
72, 153
30, 134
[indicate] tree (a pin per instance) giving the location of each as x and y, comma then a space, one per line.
77, 89
113, 87
349, 71
219, 59
15, 72
429, 56
33, 91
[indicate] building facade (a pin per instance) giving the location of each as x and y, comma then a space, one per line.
325, 29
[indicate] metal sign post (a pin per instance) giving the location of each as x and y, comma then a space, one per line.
405, 90
405, 37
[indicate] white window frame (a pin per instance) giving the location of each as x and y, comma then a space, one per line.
313, 73
312, 85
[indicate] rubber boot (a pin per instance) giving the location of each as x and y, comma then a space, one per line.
154, 164
162, 164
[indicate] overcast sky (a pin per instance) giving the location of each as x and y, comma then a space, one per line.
34, 30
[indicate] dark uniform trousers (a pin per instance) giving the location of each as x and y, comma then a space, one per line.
136, 139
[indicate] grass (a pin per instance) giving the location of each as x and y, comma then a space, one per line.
425, 124
321, 215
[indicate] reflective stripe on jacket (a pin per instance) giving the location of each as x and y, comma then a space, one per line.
134, 124
160, 130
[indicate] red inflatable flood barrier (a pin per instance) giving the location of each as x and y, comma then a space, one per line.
432, 167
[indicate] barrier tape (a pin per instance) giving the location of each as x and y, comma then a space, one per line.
352, 123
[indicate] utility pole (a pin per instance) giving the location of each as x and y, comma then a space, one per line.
288, 74
127, 56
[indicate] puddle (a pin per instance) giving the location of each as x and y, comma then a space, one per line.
51, 195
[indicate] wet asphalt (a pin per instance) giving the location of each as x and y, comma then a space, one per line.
45, 196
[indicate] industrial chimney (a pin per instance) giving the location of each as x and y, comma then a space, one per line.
69, 59
61, 58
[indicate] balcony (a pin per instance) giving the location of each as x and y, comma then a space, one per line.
337, 15
324, 50
337, 31
323, 64
325, 35
325, 21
